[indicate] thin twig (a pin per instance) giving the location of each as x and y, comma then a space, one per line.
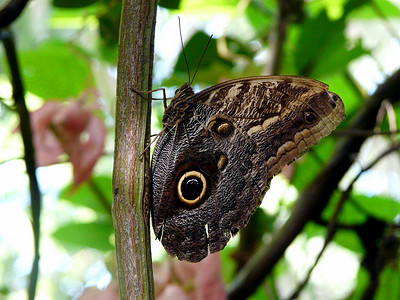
100, 195
278, 37
331, 228
26, 132
386, 22
365, 133
11, 11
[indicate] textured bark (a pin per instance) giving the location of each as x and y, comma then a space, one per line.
130, 214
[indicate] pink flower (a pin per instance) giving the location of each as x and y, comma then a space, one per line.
177, 280
68, 128
109, 293
180, 280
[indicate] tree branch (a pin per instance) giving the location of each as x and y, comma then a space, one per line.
331, 228
315, 197
29, 156
131, 171
11, 11
100, 195
288, 10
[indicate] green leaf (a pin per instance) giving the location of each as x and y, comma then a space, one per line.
389, 284
313, 42
229, 265
239, 48
55, 70
260, 15
371, 11
73, 3
109, 22
336, 59
322, 48
86, 235
308, 166
354, 5
312, 229
170, 4
260, 293
91, 194
362, 282
345, 238
211, 69
207, 8
334, 8
380, 207
349, 215
350, 240
194, 50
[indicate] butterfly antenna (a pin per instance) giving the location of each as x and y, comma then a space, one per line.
201, 58
183, 48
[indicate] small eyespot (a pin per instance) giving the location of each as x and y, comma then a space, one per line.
310, 116
223, 129
234, 231
220, 126
222, 162
332, 102
191, 188
333, 99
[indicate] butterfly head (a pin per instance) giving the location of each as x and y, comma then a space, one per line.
178, 109
184, 91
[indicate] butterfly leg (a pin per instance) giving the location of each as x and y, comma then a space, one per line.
140, 93
151, 143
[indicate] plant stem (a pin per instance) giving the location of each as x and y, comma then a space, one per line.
29, 156
131, 168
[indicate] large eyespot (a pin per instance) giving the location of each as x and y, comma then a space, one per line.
310, 116
220, 126
191, 187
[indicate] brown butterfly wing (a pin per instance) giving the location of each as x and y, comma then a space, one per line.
230, 140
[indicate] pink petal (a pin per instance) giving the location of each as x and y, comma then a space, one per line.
47, 146
208, 281
73, 119
58, 128
185, 271
173, 292
109, 293
85, 155
42, 117
162, 275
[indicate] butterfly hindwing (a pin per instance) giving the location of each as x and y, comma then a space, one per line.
221, 147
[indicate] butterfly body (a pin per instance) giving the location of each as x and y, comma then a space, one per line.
220, 149
176, 112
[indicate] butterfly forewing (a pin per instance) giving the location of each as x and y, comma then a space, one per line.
220, 149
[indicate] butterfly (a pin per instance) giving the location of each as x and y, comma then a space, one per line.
220, 148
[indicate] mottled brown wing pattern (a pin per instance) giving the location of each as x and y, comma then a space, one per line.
221, 147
